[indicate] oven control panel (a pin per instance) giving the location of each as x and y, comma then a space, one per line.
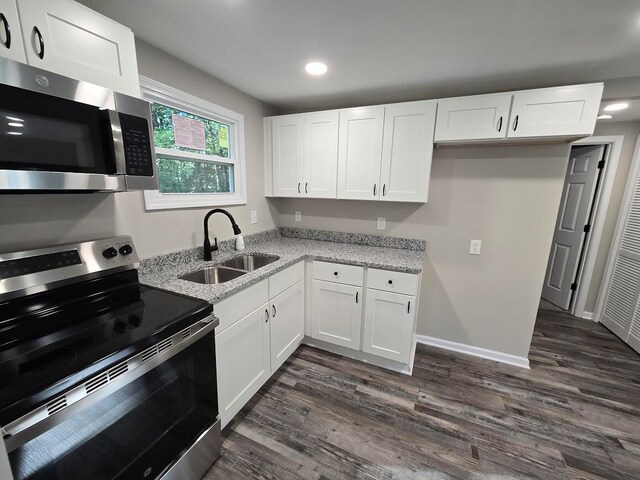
138, 153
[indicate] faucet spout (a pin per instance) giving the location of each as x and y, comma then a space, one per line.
207, 244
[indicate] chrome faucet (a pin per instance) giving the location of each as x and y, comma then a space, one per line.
207, 245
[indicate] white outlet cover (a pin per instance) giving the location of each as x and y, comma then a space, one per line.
382, 223
298, 216
254, 217
474, 247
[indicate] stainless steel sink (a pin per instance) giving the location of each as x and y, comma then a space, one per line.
212, 275
250, 262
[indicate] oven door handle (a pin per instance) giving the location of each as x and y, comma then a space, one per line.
118, 142
39, 420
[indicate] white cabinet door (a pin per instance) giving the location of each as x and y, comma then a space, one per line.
337, 313
70, 39
479, 117
242, 361
287, 140
407, 148
555, 112
360, 153
388, 325
320, 154
286, 324
11, 45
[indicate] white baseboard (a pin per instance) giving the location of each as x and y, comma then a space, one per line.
587, 315
507, 358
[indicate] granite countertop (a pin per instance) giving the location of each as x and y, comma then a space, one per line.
163, 271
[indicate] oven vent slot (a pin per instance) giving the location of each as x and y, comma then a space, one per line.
149, 354
118, 370
162, 346
96, 382
56, 405
186, 333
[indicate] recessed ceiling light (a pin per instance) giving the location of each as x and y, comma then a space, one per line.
315, 68
15, 124
604, 117
614, 107
15, 119
14, 133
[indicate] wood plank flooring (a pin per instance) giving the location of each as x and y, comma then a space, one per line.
574, 415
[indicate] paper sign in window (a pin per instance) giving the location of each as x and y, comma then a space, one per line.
188, 132
223, 137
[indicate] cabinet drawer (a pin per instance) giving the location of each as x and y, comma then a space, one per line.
397, 282
338, 273
232, 309
288, 277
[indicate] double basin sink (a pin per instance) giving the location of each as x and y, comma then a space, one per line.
230, 269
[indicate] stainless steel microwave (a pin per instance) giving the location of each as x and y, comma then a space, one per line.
60, 134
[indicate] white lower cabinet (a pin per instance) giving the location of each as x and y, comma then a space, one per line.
389, 320
242, 361
337, 313
286, 326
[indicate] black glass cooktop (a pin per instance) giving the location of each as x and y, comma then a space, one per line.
51, 341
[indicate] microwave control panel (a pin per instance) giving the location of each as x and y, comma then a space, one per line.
137, 145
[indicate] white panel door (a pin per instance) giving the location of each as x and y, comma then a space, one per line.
575, 207
360, 153
555, 112
287, 324
620, 309
407, 148
11, 45
389, 320
320, 154
479, 117
337, 313
242, 361
70, 39
287, 141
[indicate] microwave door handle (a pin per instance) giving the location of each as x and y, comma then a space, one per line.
118, 143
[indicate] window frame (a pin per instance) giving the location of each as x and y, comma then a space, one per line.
154, 91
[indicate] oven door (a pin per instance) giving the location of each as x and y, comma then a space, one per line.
145, 424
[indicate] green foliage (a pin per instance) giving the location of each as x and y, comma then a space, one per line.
186, 176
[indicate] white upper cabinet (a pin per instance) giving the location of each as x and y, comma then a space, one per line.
320, 154
11, 45
70, 39
555, 112
360, 153
407, 148
480, 117
287, 139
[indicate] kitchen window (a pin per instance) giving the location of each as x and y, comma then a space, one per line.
199, 150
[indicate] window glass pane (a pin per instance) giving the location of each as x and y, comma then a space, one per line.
215, 139
186, 176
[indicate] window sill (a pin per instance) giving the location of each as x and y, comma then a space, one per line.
154, 200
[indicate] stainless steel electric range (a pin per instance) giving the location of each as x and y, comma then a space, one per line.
102, 378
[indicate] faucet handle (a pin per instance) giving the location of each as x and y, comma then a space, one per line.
215, 244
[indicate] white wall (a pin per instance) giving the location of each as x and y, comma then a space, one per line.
41, 220
506, 196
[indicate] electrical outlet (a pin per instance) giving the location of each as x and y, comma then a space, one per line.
298, 216
474, 247
254, 217
382, 223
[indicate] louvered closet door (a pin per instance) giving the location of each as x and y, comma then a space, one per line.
621, 309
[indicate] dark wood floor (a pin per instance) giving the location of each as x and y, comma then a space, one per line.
574, 415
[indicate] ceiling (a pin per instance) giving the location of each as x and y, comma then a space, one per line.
384, 50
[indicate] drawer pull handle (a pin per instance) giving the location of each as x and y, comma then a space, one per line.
384, 189
266, 315
390, 282
409, 307
40, 53
500, 124
7, 30
335, 273
357, 297
274, 311
306, 187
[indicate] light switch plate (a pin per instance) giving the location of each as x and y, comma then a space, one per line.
298, 216
254, 217
382, 223
474, 247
